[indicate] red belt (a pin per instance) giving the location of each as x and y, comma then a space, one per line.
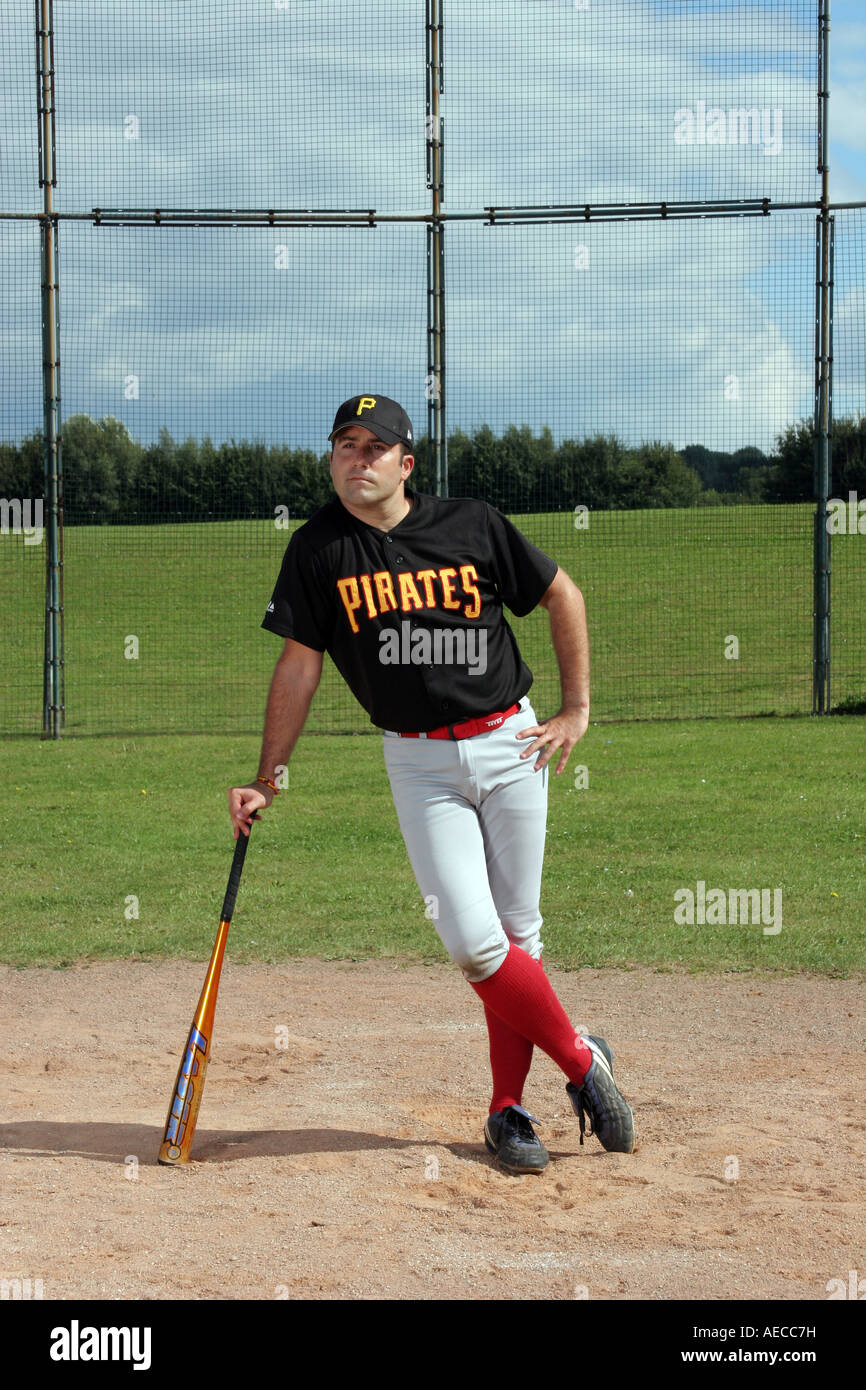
469, 727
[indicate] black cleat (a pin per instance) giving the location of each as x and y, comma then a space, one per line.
510, 1137
597, 1096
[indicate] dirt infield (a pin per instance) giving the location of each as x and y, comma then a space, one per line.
339, 1150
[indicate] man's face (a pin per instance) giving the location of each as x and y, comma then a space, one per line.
365, 471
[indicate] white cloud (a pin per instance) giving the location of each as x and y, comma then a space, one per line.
543, 103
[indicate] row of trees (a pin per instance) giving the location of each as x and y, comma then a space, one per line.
109, 477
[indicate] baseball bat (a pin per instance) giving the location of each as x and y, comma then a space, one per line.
189, 1085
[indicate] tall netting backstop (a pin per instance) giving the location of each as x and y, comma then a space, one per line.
591, 248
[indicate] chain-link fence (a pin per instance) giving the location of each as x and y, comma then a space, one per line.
576, 240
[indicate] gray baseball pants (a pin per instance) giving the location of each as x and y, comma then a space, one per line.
473, 817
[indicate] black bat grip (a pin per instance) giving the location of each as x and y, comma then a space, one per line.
235, 876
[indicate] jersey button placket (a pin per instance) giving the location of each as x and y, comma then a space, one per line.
397, 560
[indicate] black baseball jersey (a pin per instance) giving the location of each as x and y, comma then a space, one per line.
412, 617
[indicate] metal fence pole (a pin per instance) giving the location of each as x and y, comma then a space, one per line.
434, 386
53, 696
823, 369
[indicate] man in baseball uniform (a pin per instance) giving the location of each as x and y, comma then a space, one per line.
405, 592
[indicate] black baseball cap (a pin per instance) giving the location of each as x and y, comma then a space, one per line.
383, 417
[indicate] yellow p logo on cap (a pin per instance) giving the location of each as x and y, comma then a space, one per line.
365, 403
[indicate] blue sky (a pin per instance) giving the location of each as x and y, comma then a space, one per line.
848, 100
689, 331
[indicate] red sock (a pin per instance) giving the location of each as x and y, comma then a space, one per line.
510, 1060
521, 995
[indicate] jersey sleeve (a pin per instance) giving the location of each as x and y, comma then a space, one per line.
523, 572
299, 608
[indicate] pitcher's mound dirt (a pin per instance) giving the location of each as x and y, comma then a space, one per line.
339, 1149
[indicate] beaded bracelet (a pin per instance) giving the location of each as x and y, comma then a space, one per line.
268, 783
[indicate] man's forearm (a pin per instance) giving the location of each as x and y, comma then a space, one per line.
568, 629
289, 699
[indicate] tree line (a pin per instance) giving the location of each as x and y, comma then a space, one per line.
110, 478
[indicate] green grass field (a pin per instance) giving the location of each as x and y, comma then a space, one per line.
90, 824
664, 591
129, 804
